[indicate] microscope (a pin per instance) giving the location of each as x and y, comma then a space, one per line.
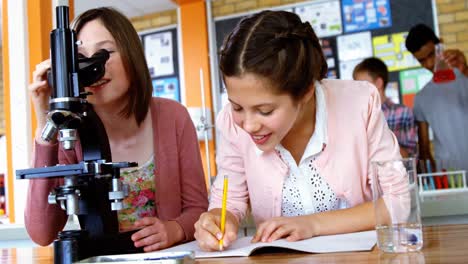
91, 189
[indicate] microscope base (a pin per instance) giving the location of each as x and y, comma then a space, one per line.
75, 245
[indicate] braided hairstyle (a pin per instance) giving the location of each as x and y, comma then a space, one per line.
278, 47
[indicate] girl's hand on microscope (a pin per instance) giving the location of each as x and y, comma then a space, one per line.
156, 234
40, 92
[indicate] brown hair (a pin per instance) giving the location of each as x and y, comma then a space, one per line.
277, 46
375, 67
133, 57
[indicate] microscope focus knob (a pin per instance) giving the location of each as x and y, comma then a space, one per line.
116, 206
116, 195
116, 198
52, 198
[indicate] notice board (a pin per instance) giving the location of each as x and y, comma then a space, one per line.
371, 27
160, 47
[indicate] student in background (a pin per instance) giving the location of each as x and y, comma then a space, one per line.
442, 106
399, 118
296, 148
168, 190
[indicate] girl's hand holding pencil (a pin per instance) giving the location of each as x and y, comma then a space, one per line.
208, 230
217, 229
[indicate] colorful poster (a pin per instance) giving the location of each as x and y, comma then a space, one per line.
347, 68
392, 92
354, 46
329, 51
159, 53
166, 88
392, 50
411, 82
361, 15
324, 16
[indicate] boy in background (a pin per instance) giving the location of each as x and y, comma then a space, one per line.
399, 118
442, 106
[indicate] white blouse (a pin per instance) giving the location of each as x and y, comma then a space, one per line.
304, 190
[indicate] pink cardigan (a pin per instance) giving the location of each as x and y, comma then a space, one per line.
180, 182
357, 134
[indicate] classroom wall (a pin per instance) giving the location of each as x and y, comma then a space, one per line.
219, 8
452, 16
453, 23
228, 7
155, 20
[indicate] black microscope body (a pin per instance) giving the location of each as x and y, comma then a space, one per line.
92, 189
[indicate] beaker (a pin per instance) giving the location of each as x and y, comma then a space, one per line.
442, 71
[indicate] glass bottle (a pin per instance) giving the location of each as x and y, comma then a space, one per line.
442, 71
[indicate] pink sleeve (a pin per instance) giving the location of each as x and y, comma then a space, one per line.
193, 184
383, 146
230, 162
43, 221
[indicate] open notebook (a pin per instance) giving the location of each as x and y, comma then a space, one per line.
360, 241
186, 253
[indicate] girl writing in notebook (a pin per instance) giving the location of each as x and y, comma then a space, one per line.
296, 147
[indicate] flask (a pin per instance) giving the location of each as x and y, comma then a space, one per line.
442, 71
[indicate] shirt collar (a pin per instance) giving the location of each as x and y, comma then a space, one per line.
320, 136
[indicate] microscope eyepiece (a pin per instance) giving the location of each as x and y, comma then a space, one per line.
92, 69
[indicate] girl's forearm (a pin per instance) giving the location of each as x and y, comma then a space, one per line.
355, 219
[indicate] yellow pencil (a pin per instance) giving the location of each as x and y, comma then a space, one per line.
223, 210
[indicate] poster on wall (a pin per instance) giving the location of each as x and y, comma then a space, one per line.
329, 51
392, 50
324, 16
159, 53
392, 92
166, 88
411, 82
361, 15
354, 46
347, 67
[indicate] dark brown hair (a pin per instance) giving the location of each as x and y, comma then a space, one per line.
133, 58
277, 46
375, 67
